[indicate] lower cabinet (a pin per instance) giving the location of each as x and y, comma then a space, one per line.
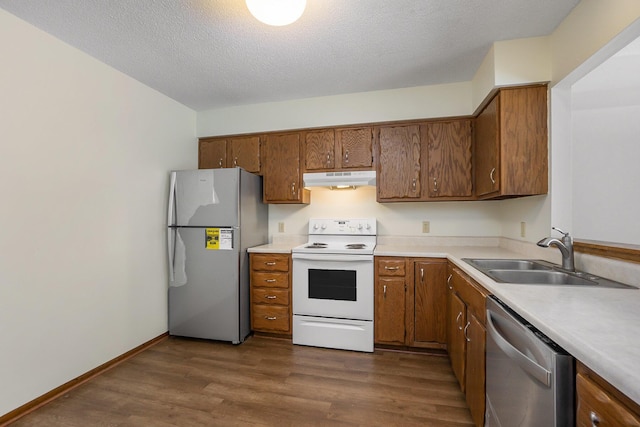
466, 338
390, 301
410, 297
271, 293
600, 404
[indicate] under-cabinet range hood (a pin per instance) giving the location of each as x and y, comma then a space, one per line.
339, 179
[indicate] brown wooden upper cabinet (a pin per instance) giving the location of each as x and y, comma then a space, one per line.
398, 163
216, 153
511, 157
282, 176
431, 160
338, 149
447, 149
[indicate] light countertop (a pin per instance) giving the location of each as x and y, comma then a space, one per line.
598, 326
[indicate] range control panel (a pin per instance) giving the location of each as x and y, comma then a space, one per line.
351, 226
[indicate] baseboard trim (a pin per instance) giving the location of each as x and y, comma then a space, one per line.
28, 407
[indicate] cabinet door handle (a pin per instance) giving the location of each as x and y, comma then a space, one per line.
235, 161
414, 184
422, 275
458, 320
328, 158
270, 280
449, 281
493, 181
270, 296
386, 267
270, 317
346, 156
465, 332
220, 162
293, 188
384, 291
269, 263
595, 419
435, 185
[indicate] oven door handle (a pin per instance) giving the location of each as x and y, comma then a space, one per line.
333, 257
528, 365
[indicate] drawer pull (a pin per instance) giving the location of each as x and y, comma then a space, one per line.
386, 267
270, 296
270, 280
271, 317
271, 263
595, 419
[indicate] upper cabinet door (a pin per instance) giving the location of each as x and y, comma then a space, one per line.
511, 153
448, 147
282, 176
212, 153
319, 150
399, 163
245, 152
354, 148
487, 139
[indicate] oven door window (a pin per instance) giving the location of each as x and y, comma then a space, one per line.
332, 284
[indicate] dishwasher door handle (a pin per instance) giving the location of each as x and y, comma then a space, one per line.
538, 372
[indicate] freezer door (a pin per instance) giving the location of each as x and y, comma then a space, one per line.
204, 197
204, 297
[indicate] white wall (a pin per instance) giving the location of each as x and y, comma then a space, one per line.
593, 32
394, 219
364, 107
85, 153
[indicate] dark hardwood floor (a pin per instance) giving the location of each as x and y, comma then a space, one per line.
263, 382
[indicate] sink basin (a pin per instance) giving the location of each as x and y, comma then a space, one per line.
507, 264
538, 272
539, 277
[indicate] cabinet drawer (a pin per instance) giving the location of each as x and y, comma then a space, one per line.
270, 296
269, 280
270, 262
270, 318
390, 267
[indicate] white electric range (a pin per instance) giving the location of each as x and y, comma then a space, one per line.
332, 284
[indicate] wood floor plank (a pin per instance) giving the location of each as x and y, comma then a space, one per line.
263, 382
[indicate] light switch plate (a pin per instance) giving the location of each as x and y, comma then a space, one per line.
425, 226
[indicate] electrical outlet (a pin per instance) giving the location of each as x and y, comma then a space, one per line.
425, 226
281, 227
523, 229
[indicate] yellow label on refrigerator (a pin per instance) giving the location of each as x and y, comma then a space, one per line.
219, 238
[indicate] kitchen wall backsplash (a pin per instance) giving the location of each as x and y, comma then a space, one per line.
394, 219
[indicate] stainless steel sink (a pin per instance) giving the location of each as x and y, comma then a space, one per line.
508, 264
538, 272
538, 277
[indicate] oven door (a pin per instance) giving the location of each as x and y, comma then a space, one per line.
333, 285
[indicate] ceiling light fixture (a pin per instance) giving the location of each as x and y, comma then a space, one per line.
276, 12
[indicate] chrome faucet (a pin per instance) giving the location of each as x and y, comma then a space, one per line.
566, 248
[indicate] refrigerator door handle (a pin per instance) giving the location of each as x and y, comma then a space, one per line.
171, 248
172, 200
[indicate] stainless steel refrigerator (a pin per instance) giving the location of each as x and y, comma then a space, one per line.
214, 215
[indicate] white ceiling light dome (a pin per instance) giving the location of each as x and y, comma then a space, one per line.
277, 12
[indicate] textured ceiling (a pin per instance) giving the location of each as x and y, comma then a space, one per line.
213, 53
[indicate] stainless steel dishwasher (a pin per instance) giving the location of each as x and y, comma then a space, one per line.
529, 379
